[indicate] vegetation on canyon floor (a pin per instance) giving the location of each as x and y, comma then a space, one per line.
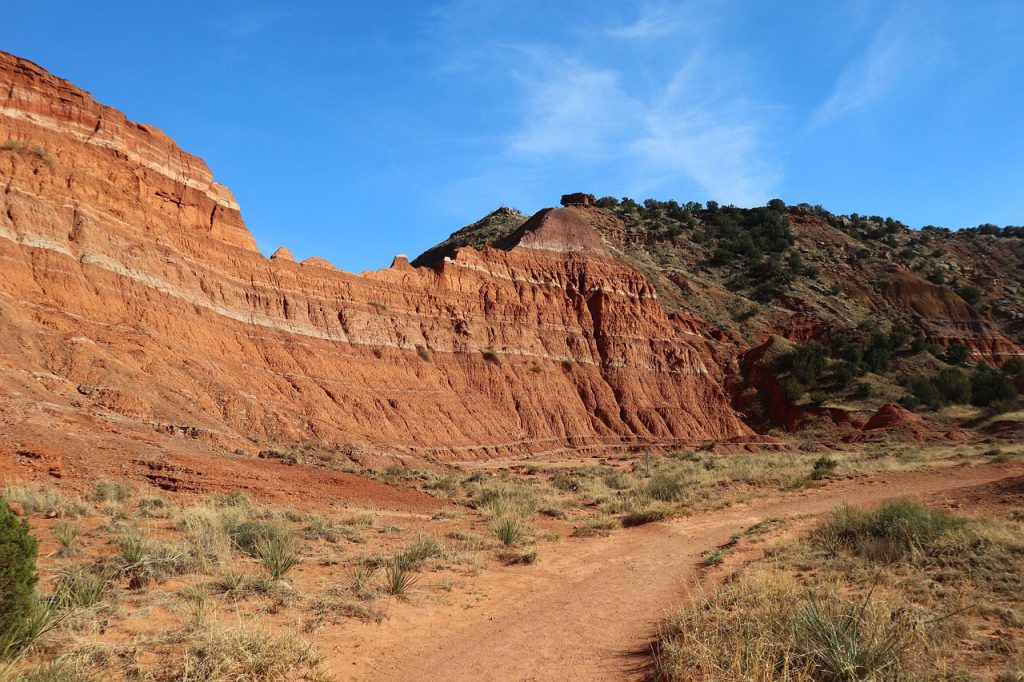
902, 591
137, 585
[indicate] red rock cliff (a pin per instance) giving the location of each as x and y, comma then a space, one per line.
132, 297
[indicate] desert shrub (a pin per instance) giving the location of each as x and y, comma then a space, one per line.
423, 352
924, 392
806, 363
957, 354
862, 390
793, 390
491, 356
953, 385
618, 480
32, 149
989, 386
1014, 365
17, 578
714, 557
824, 467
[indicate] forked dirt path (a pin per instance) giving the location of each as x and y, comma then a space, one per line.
590, 608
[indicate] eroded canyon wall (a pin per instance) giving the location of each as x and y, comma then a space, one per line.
132, 295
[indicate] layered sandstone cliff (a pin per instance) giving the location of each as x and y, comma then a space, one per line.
132, 298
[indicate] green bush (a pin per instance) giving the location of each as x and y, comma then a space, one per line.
953, 385
989, 386
17, 578
1014, 366
824, 467
957, 354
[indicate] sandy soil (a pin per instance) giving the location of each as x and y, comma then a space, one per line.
590, 608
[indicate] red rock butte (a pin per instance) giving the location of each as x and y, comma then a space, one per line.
138, 311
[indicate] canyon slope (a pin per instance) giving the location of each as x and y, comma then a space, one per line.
140, 317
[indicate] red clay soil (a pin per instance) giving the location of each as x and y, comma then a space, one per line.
890, 416
590, 608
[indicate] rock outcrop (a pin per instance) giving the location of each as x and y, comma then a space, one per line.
134, 301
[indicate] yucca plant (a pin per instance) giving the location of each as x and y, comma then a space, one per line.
278, 553
67, 535
80, 588
399, 577
510, 530
133, 548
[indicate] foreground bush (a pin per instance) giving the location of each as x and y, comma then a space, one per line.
17, 578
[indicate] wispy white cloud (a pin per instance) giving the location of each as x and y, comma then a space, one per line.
653, 21
904, 46
687, 128
659, 19
568, 107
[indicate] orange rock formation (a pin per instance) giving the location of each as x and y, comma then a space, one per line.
133, 301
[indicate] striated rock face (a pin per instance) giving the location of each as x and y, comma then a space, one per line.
133, 299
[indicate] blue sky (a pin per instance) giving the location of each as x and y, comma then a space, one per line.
354, 131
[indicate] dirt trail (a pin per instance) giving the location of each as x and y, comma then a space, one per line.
589, 609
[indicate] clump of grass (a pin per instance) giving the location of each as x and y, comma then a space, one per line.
361, 579
666, 487
22, 147
649, 513
107, 490
207, 534
714, 557
763, 627
67, 536
618, 480
278, 553
526, 558
244, 653
362, 519
80, 588
249, 536
44, 500
419, 550
320, 528
399, 578
510, 530
153, 507
231, 583
601, 524
889, 532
